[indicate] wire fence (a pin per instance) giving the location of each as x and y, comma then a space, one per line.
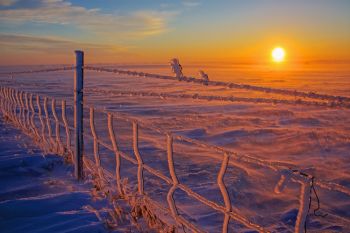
65, 68
205, 81
231, 99
18, 107
301, 97
31, 113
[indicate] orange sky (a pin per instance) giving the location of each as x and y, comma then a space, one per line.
47, 32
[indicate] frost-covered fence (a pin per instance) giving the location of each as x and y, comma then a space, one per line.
36, 115
204, 80
30, 112
23, 116
37, 124
231, 99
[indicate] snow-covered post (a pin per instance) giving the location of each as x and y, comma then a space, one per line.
170, 196
224, 192
304, 199
138, 157
304, 204
117, 153
78, 114
65, 122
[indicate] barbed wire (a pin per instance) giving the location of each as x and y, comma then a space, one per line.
12, 82
295, 93
337, 99
196, 96
38, 71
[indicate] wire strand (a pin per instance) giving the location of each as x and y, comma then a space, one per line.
39, 71
295, 93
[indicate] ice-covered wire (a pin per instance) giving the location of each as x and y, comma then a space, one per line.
38, 71
295, 93
196, 96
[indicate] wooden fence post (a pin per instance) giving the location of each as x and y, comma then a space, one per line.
78, 114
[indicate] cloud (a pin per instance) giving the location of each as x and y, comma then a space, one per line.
104, 36
28, 49
28, 43
7, 2
142, 23
190, 3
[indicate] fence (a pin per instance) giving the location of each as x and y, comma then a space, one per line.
18, 106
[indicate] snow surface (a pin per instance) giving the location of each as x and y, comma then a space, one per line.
39, 194
313, 139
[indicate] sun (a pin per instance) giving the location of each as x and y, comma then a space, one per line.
278, 54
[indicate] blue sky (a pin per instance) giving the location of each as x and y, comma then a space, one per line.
137, 30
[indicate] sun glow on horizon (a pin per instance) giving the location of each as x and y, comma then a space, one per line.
278, 54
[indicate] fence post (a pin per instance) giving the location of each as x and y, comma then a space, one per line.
78, 114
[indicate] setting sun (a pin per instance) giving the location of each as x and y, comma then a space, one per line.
278, 54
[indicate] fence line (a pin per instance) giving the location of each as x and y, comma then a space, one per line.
175, 185
276, 166
229, 85
162, 95
333, 101
15, 108
220, 98
20, 119
280, 167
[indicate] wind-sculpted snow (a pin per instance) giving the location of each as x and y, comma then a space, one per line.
38, 193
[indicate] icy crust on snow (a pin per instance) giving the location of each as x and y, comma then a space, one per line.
314, 139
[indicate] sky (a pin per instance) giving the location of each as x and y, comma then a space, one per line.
154, 31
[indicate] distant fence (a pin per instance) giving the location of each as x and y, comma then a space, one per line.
31, 113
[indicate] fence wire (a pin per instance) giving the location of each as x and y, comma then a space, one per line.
332, 101
219, 98
65, 68
230, 85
